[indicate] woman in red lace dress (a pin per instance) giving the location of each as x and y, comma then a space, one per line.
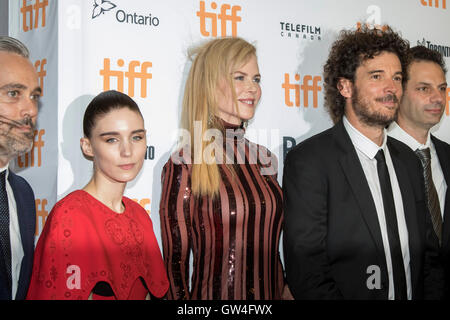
223, 204
96, 243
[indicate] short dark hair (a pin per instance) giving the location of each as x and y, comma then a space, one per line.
349, 51
104, 103
421, 53
12, 45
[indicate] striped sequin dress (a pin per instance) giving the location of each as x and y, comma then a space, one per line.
234, 238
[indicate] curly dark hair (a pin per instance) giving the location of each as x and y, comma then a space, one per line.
421, 53
349, 51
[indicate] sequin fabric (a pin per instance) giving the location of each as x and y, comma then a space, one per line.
234, 238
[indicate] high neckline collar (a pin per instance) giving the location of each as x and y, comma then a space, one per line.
232, 131
227, 125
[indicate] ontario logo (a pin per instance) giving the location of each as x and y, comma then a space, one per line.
444, 50
122, 16
300, 31
101, 6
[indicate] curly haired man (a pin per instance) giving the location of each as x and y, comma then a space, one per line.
356, 222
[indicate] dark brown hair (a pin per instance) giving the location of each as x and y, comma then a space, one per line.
104, 103
349, 51
421, 53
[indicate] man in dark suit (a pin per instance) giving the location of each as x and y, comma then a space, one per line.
421, 108
356, 224
19, 96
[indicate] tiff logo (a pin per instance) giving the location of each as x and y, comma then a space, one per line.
436, 3
131, 75
447, 107
41, 214
143, 203
27, 14
296, 88
223, 16
29, 157
39, 65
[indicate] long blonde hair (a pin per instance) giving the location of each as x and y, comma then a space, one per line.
213, 61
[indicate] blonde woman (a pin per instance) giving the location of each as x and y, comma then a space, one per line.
221, 201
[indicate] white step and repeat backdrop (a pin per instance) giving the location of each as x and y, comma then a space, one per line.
83, 47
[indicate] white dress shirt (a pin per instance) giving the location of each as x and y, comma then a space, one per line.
14, 234
366, 150
396, 132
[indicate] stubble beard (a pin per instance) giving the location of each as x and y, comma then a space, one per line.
13, 143
372, 118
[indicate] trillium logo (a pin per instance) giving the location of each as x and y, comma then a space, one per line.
101, 6
422, 43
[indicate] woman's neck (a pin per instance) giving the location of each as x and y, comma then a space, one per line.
107, 192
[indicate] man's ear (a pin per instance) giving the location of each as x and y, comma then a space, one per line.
86, 147
345, 87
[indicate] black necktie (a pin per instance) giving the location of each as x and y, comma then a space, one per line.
432, 196
5, 242
398, 267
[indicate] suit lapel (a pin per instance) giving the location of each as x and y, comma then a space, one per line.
20, 209
444, 158
356, 178
444, 161
24, 232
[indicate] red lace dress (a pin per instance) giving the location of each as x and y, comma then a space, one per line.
84, 243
